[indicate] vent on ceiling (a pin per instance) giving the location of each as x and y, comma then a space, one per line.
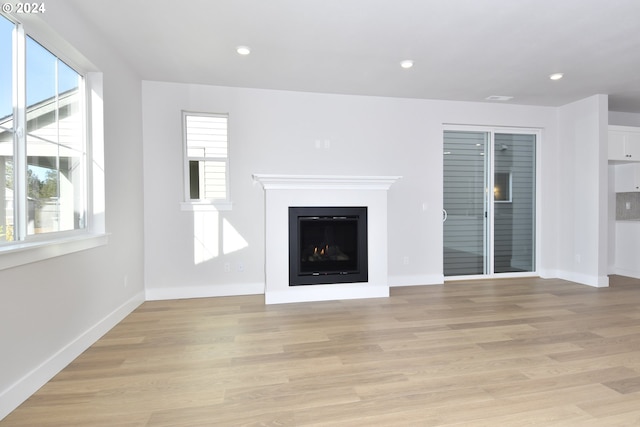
498, 98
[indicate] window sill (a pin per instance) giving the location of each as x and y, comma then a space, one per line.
206, 206
26, 253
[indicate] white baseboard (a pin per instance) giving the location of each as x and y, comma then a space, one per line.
416, 280
184, 292
584, 279
629, 273
20, 391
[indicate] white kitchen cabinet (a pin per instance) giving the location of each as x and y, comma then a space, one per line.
627, 177
627, 259
624, 143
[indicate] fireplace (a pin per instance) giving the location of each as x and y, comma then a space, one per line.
327, 245
292, 191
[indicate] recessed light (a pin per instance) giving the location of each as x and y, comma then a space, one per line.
243, 50
556, 76
407, 63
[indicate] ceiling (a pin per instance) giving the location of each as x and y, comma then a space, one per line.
464, 50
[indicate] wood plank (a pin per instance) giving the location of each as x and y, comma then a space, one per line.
523, 351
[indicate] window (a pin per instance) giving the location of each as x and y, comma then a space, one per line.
42, 141
44, 146
6, 131
206, 157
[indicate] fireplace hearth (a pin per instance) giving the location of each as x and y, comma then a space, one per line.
327, 245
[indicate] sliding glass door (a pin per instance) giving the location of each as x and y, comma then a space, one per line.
465, 204
514, 203
489, 202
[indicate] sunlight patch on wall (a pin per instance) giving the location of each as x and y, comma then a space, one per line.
232, 240
206, 236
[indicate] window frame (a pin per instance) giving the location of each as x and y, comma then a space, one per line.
189, 204
36, 247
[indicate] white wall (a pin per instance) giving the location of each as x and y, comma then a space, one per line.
624, 119
276, 132
583, 205
50, 311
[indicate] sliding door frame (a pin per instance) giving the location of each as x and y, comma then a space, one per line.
490, 244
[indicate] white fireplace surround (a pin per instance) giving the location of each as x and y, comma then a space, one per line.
284, 191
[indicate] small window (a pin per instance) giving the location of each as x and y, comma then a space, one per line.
207, 159
502, 187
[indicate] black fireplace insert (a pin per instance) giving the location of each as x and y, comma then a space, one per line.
327, 245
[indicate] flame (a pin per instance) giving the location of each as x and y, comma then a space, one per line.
321, 251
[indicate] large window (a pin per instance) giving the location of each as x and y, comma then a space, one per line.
6, 131
43, 176
206, 157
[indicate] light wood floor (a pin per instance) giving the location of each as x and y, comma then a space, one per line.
507, 352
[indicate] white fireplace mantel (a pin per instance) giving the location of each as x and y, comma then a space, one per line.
330, 182
284, 191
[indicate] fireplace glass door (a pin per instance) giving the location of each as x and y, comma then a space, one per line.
327, 245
